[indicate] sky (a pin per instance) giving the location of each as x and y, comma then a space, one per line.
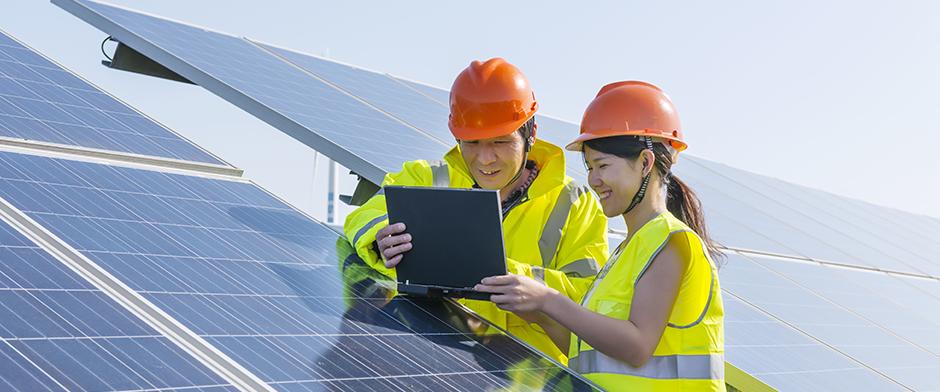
838, 95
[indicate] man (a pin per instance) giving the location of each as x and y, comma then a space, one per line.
553, 229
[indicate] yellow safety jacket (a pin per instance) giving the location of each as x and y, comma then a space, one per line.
557, 235
690, 354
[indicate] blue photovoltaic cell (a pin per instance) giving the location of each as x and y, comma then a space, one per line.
438, 94
724, 208
357, 136
887, 301
39, 100
810, 228
830, 322
261, 281
58, 332
787, 359
378, 90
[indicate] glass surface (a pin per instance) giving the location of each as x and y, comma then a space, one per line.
844, 232
58, 331
379, 90
40, 100
830, 322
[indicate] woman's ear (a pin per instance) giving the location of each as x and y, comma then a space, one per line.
649, 161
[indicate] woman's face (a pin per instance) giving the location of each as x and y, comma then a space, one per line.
614, 179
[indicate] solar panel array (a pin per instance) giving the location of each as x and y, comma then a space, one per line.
277, 294
822, 292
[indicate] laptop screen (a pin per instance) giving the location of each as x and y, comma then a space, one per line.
457, 236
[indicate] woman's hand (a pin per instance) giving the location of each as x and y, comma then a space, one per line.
516, 293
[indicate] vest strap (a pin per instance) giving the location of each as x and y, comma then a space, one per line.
692, 367
551, 233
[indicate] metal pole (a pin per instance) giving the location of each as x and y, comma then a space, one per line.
333, 193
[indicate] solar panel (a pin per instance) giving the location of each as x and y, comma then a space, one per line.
786, 358
442, 96
57, 332
885, 300
331, 121
379, 90
857, 219
262, 282
39, 100
806, 227
844, 329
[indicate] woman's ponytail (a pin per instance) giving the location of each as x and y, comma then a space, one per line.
682, 203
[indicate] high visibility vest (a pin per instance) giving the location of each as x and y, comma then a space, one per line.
556, 235
690, 354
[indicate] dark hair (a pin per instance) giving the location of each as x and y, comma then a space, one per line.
526, 131
681, 201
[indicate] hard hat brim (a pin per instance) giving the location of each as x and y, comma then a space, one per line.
474, 133
578, 143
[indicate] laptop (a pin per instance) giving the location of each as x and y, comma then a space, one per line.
457, 238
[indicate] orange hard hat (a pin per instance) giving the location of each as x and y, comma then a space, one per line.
490, 99
630, 108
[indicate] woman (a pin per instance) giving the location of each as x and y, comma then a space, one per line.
653, 318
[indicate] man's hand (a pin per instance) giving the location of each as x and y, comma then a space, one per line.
392, 242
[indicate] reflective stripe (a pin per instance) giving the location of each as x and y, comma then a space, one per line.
538, 273
551, 233
691, 367
368, 227
580, 268
440, 176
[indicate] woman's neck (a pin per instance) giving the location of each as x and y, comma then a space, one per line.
651, 206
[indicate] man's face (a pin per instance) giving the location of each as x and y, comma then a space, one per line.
493, 162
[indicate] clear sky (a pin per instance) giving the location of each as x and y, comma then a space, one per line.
837, 95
